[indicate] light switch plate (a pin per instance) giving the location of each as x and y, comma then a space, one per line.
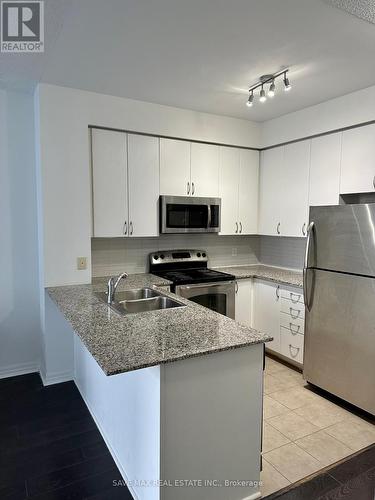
234, 252
81, 263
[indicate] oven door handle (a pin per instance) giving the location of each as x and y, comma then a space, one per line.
205, 285
208, 216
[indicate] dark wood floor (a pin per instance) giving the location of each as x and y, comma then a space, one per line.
350, 479
50, 447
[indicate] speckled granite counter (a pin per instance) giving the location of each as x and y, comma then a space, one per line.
276, 274
125, 343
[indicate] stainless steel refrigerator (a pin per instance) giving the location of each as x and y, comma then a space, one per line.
339, 288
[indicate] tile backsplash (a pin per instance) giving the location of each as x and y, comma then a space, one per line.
114, 255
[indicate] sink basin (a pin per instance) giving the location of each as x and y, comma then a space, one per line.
140, 300
144, 305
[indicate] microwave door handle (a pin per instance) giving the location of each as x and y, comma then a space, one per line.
209, 221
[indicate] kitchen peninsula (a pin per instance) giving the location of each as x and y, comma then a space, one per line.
177, 393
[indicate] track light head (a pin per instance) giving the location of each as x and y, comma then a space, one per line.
287, 85
271, 90
262, 95
250, 101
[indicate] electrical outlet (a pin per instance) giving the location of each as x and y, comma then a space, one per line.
81, 263
234, 252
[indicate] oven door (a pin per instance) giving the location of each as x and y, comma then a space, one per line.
216, 296
184, 214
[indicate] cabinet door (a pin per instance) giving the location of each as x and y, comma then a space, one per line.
295, 189
228, 184
270, 192
205, 170
143, 169
325, 170
248, 191
358, 160
175, 167
267, 311
109, 183
243, 301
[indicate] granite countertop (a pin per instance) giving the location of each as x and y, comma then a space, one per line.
125, 343
270, 273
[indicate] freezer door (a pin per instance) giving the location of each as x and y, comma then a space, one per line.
339, 354
343, 238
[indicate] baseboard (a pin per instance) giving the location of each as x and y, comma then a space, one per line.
109, 446
13, 371
56, 378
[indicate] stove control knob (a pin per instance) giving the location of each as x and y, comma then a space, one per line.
198, 254
162, 256
156, 257
203, 254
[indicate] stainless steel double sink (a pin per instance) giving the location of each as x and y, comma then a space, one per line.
139, 300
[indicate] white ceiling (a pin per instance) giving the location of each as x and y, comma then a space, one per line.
201, 54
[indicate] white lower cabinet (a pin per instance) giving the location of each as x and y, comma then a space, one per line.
279, 311
243, 301
266, 307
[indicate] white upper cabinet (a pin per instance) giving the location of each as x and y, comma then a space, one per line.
229, 178
248, 191
175, 167
325, 170
109, 185
358, 160
294, 210
143, 167
270, 193
204, 170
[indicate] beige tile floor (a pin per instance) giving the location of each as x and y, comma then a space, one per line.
303, 432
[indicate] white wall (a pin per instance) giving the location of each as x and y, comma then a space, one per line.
111, 256
20, 324
64, 117
356, 107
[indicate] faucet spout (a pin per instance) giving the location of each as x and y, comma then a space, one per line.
112, 286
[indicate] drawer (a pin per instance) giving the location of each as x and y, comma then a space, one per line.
296, 326
295, 311
291, 345
295, 296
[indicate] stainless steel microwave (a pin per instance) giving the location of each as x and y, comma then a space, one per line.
188, 214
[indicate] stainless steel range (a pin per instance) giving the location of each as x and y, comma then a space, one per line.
192, 279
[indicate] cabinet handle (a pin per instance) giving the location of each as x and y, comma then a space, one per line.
297, 299
294, 332
131, 228
278, 228
236, 231
297, 349
304, 229
125, 228
188, 188
236, 286
294, 316
277, 291
240, 227
373, 181
192, 188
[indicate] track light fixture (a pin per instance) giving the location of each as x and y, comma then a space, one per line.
264, 80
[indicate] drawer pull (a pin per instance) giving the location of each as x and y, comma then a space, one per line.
296, 349
296, 298
295, 313
294, 332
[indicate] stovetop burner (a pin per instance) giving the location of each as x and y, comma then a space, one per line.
184, 267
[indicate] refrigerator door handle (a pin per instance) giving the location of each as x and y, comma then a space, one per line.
307, 251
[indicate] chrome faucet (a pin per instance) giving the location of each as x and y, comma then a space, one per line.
112, 285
